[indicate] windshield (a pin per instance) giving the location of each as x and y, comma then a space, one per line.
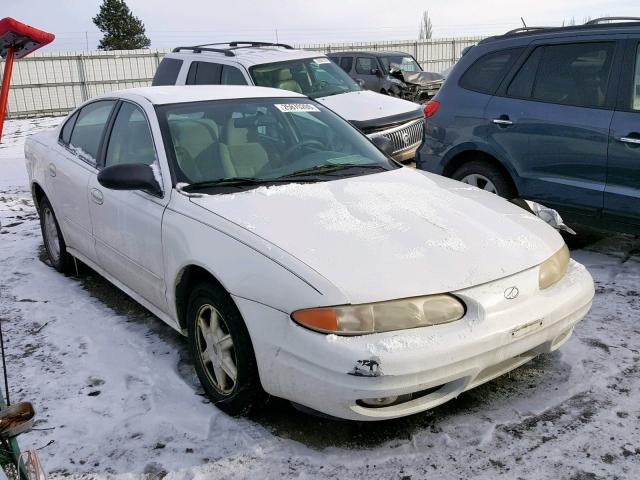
405, 63
315, 77
249, 142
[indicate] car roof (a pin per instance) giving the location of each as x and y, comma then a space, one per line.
377, 53
531, 33
196, 93
250, 56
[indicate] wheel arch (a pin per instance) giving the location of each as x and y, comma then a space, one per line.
189, 276
38, 194
466, 156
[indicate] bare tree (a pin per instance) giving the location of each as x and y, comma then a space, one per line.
570, 23
426, 28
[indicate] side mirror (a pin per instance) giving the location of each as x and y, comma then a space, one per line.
384, 144
129, 176
376, 71
360, 82
16, 419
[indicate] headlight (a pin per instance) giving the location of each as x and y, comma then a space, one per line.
382, 316
553, 269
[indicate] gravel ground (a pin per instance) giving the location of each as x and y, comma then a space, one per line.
117, 395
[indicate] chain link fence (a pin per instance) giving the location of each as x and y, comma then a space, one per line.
55, 83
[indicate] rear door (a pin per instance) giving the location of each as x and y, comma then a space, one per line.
71, 169
622, 192
553, 118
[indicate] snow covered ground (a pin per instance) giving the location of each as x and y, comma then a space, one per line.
117, 395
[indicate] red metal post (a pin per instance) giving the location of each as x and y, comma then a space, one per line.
6, 81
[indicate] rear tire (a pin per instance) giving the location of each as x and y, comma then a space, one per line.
52, 237
487, 177
222, 351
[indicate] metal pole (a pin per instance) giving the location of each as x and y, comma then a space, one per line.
6, 81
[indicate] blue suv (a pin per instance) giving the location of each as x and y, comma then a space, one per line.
546, 114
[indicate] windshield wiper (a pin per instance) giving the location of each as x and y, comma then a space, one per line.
233, 182
324, 169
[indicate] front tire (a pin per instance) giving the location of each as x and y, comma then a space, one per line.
222, 351
485, 176
52, 236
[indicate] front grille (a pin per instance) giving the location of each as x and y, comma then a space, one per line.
404, 137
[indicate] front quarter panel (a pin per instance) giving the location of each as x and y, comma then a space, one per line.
245, 265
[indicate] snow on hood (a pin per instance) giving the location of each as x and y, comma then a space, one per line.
365, 105
396, 234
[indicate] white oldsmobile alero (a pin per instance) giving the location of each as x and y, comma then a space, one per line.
298, 258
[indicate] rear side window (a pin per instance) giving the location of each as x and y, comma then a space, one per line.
89, 128
635, 94
574, 74
204, 73
487, 72
346, 63
65, 132
167, 72
364, 65
232, 76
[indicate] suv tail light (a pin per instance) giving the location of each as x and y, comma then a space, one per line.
431, 108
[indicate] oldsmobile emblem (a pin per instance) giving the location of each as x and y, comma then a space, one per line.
511, 293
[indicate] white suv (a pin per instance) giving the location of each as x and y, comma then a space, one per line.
311, 73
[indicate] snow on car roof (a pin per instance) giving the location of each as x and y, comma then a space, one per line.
195, 93
254, 56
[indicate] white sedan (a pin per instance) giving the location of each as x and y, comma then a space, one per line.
299, 260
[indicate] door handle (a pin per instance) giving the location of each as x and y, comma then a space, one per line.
52, 170
502, 120
632, 140
96, 196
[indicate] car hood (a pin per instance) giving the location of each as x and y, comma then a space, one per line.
422, 78
365, 106
395, 234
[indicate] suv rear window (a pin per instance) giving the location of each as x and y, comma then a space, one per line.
487, 72
167, 72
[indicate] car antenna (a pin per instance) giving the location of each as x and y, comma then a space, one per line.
523, 22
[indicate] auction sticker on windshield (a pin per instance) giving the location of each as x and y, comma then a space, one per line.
296, 107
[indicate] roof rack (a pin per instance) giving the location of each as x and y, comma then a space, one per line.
597, 21
526, 29
238, 44
207, 47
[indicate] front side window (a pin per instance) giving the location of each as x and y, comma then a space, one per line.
404, 63
346, 63
89, 128
130, 140
574, 74
314, 77
232, 76
365, 65
486, 74
262, 141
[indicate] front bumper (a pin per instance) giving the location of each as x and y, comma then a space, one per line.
324, 372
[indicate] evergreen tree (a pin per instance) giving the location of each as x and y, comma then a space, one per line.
122, 30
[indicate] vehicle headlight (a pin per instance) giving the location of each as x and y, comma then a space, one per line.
383, 316
553, 269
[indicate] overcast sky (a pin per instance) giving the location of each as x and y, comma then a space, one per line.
171, 23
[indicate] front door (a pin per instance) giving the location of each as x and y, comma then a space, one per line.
127, 225
368, 71
622, 193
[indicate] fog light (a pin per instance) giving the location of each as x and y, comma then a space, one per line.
378, 402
